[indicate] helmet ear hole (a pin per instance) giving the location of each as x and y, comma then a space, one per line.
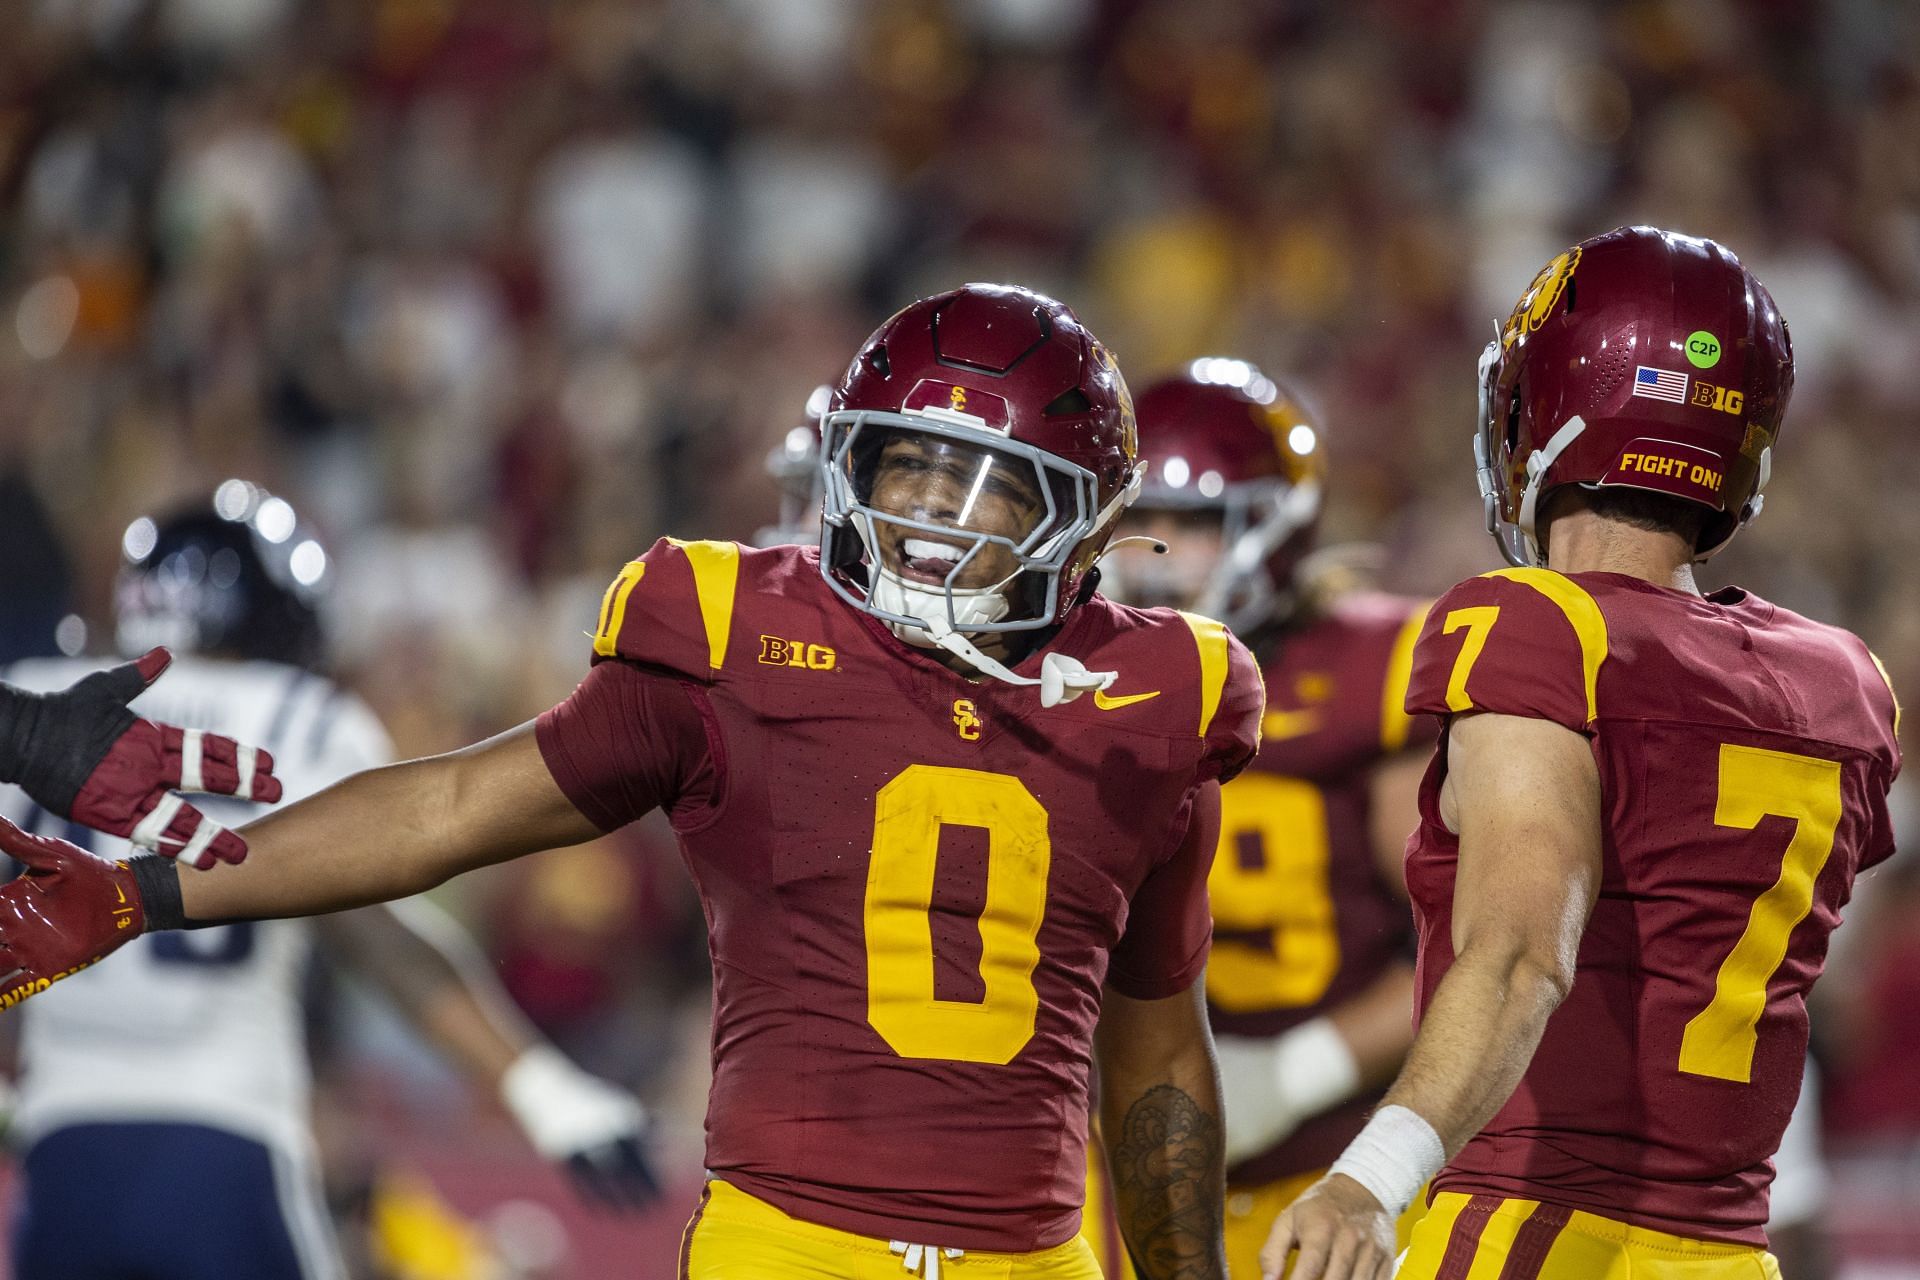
876, 360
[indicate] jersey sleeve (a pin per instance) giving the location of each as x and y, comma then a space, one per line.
1170, 923
1233, 729
1519, 642
628, 741
672, 608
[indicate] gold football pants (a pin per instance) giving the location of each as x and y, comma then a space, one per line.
1474, 1237
734, 1236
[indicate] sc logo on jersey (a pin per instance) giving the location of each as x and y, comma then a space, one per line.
966, 720
775, 652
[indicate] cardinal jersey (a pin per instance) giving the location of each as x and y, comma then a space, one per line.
915, 884
1744, 755
1302, 921
202, 1026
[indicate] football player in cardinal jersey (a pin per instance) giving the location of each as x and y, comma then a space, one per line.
1310, 986
183, 1062
950, 812
1644, 819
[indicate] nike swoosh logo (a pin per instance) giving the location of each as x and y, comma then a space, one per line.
1105, 703
119, 893
1276, 726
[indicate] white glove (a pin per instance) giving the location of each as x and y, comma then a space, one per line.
1269, 1086
593, 1128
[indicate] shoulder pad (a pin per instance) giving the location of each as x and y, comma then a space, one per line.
1233, 697
673, 608
1523, 642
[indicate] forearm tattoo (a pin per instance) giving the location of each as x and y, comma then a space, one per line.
1169, 1186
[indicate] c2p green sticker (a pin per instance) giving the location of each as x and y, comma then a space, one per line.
1703, 349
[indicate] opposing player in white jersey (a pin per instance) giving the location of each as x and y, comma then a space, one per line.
163, 1098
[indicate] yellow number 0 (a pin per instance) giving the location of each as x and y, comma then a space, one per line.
1281, 890
901, 1004
1754, 783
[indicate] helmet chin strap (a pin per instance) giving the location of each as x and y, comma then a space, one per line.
1062, 678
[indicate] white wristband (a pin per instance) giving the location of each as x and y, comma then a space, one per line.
1314, 1067
1393, 1157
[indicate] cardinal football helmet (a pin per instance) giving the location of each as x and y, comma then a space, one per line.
1222, 437
1014, 379
1640, 359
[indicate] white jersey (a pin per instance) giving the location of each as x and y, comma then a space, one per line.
202, 1026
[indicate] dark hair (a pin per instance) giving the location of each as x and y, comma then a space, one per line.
1638, 508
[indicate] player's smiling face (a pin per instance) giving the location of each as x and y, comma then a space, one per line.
939, 481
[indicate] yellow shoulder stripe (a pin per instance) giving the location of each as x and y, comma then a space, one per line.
613, 608
716, 576
1589, 624
1891, 691
1394, 720
1211, 637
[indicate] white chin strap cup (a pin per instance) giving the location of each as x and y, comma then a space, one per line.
1062, 679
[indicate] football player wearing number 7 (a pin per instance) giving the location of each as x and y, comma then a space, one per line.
935, 871
1644, 819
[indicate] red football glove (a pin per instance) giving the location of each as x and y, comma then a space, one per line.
67, 911
81, 754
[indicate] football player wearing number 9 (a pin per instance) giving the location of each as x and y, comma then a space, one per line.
1310, 985
935, 871
1645, 817
183, 1061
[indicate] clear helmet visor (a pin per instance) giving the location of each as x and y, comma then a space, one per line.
954, 518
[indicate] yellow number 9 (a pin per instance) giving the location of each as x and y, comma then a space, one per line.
1269, 878
901, 1004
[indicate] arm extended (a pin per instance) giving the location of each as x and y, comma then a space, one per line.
394, 832
1160, 1111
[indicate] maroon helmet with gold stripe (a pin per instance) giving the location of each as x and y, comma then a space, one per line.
1222, 437
1014, 375
1639, 359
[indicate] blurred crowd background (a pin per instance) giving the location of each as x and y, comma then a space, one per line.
497, 291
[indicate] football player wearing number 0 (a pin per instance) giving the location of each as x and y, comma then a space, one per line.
935, 870
1644, 819
1310, 985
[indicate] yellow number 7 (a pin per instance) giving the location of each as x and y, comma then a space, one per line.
1755, 783
1478, 621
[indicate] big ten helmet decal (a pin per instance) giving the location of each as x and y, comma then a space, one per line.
1639, 359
